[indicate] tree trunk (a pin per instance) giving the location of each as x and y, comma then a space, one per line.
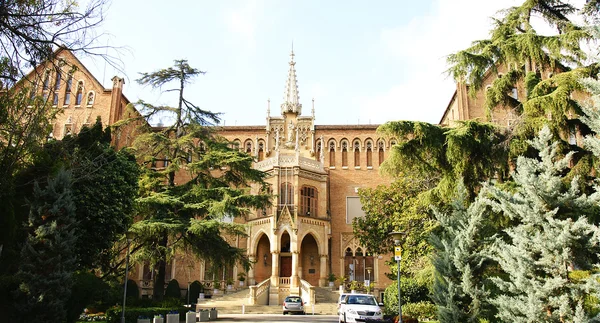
159, 282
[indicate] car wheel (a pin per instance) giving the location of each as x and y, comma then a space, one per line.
284, 312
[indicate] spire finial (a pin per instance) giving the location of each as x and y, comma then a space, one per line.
291, 98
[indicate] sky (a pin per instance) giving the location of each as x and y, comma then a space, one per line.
363, 62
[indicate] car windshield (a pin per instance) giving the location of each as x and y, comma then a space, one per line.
293, 300
361, 300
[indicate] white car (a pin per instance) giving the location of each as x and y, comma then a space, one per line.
359, 308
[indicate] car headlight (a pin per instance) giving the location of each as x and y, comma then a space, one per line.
378, 313
351, 311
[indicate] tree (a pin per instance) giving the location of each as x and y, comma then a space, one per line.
391, 207
548, 66
203, 180
30, 31
47, 258
459, 259
552, 235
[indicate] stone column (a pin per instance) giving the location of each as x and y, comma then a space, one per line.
294, 281
252, 259
323, 271
275, 268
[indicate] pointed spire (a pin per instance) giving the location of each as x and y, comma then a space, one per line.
291, 98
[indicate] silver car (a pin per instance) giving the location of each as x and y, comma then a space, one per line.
293, 304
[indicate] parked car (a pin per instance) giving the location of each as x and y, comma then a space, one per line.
360, 308
293, 304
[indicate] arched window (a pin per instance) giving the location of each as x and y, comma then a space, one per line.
344, 153
332, 154
68, 89
90, 98
356, 148
308, 201
318, 150
56, 87
46, 83
286, 195
261, 151
79, 95
248, 147
380, 151
369, 153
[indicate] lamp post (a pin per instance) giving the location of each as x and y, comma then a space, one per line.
397, 236
129, 236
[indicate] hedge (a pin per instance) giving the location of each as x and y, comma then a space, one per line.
113, 314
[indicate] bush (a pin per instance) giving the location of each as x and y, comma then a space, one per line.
87, 289
412, 292
132, 289
420, 310
173, 290
113, 314
195, 289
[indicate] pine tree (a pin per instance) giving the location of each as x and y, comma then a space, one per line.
550, 237
204, 179
48, 258
458, 290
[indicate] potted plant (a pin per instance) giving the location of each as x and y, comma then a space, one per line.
173, 317
158, 319
242, 278
190, 317
331, 278
216, 286
342, 280
229, 284
204, 315
213, 314
354, 286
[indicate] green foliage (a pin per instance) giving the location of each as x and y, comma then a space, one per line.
113, 314
187, 216
195, 289
47, 258
459, 260
550, 232
420, 310
412, 290
132, 289
87, 290
173, 290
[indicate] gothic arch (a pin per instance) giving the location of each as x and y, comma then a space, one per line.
331, 143
256, 238
317, 238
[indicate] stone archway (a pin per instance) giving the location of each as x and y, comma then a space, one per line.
263, 265
310, 260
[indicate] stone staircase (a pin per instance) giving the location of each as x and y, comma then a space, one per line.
232, 303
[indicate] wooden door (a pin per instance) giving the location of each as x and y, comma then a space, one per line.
285, 270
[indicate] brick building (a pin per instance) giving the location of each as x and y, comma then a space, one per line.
315, 172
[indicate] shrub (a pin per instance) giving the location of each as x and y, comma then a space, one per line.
173, 290
113, 314
132, 289
412, 292
195, 289
420, 310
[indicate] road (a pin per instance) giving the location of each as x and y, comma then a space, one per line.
275, 318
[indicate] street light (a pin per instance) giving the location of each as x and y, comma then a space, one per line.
397, 236
129, 235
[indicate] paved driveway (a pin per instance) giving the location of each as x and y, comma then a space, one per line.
275, 318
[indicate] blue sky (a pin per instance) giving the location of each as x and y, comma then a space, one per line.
362, 61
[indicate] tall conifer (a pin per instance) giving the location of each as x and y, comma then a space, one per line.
551, 236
